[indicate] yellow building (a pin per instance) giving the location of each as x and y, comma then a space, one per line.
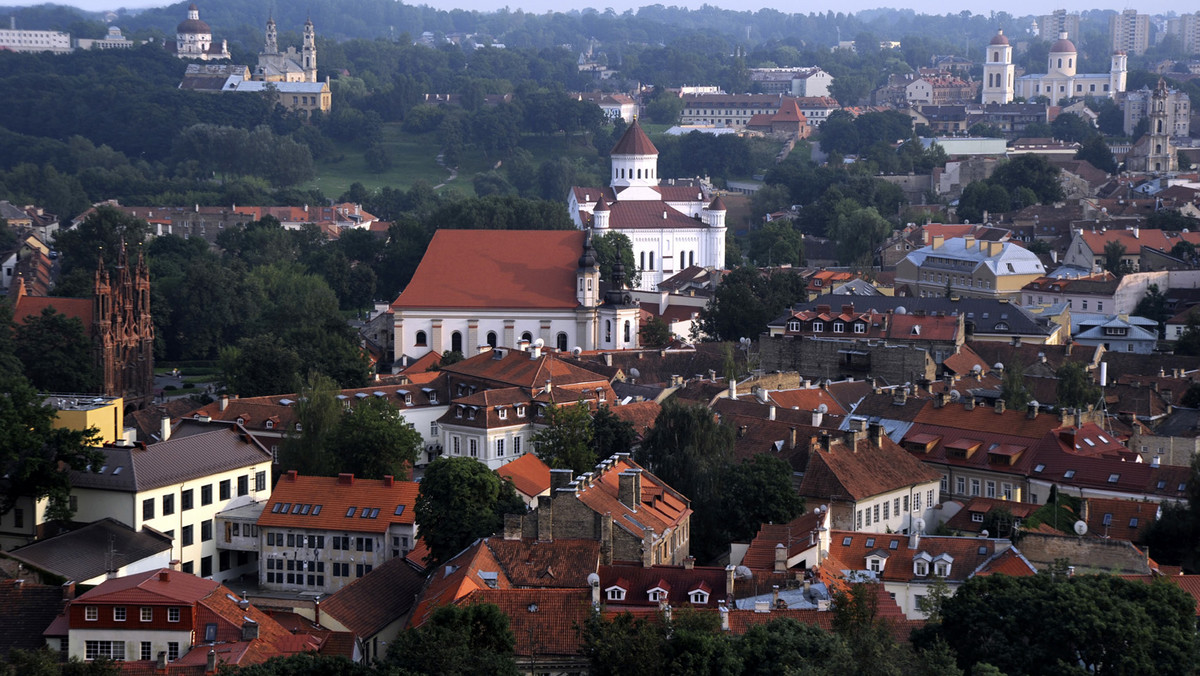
79, 412
968, 268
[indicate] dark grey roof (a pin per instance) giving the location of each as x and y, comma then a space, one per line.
1182, 422
83, 554
195, 450
647, 392
983, 313
26, 609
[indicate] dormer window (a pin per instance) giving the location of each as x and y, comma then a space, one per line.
408, 400
615, 594
793, 325
839, 327
502, 413
270, 424
458, 412
603, 396
698, 597
520, 411
941, 565
241, 420
860, 327
921, 564
298, 427
433, 396
658, 594
471, 413
818, 327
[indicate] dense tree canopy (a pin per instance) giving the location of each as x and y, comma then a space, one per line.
460, 500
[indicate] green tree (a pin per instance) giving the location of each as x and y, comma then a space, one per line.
611, 434
746, 300
1154, 306
791, 647
869, 639
42, 662
1068, 625
1075, 387
566, 442
611, 247
758, 491
1096, 151
1012, 386
36, 456
1030, 171
1072, 128
372, 440
654, 333
459, 501
473, 638
777, 243
624, 645
859, 234
57, 353
318, 414
303, 664
259, 366
1189, 343
1114, 258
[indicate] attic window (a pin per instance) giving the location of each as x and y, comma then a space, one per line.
520, 411
316, 511
275, 508
458, 412
793, 325
297, 427
1133, 523
270, 424
657, 594
977, 518
1113, 478
408, 400
615, 594
894, 544
941, 569
921, 567
1089, 442
502, 412
698, 597
916, 329
399, 510
818, 327
846, 541
1162, 483
1101, 438
304, 509
870, 542
1039, 469
241, 420
350, 512
1182, 486
982, 550
1069, 474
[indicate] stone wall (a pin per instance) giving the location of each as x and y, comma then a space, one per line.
839, 359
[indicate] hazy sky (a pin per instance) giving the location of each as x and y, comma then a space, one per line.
1018, 7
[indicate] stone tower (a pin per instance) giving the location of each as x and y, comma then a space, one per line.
272, 46
998, 71
310, 52
1160, 157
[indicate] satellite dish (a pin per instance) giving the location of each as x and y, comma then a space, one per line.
1034, 404
901, 310
823, 408
919, 524
983, 533
576, 351
976, 369
955, 395
634, 373
593, 579
743, 573
539, 343
999, 366
1081, 527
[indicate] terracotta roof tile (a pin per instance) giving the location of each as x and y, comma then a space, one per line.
557, 563
861, 472
377, 599
529, 475
678, 581
1120, 519
496, 269
794, 535
634, 142
544, 622
640, 414
339, 503
661, 508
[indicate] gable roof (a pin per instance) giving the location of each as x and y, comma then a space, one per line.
678, 581
544, 622
556, 563
159, 586
660, 509
339, 503
794, 535
966, 554
478, 269
514, 368
370, 603
529, 475
862, 470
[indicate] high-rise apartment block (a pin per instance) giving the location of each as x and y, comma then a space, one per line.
1130, 31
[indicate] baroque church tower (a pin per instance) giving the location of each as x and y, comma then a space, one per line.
310, 52
122, 330
999, 73
1161, 157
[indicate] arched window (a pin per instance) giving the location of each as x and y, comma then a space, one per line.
1070, 63
420, 339
608, 330
456, 341
491, 338
1158, 124
639, 173
561, 341
1060, 63
652, 260
1157, 148
527, 337
627, 326
995, 56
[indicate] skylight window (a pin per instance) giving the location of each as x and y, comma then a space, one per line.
399, 510
846, 541
1089, 442
350, 512
982, 550
894, 544
1133, 523
365, 513
1107, 520
1101, 438
1113, 478
1039, 468
1162, 483
304, 510
1069, 474
296, 508
316, 511
870, 542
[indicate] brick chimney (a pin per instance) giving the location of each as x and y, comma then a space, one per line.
210, 665
249, 630
875, 434
545, 518
68, 589
389, 480
512, 526
629, 488
781, 556
999, 406
560, 478
729, 573
345, 479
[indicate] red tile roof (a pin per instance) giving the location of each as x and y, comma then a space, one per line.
557, 563
79, 308
1120, 519
649, 214
985, 420
640, 414
862, 471
678, 581
370, 603
544, 622
793, 535
661, 508
964, 522
514, 368
528, 474
151, 588
807, 400
342, 500
968, 554
634, 142
494, 269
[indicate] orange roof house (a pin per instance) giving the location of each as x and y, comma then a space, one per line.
529, 475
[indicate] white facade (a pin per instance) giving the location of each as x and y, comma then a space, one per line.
418, 331
999, 73
1062, 81
494, 447
170, 642
34, 42
894, 511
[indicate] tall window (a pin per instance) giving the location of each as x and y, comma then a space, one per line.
420, 340
456, 341
148, 509
260, 481
499, 448
225, 489
206, 494
627, 327
491, 338
185, 500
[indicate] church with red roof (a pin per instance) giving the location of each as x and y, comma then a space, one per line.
672, 225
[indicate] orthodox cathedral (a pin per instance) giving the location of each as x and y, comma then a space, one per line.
1061, 81
671, 227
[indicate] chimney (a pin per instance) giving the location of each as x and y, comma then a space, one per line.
594, 582
629, 488
68, 590
560, 478
224, 401
774, 596
545, 516
824, 440
606, 547
771, 412
535, 352
389, 481
161, 663
210, 666
345, 479
249, 630
724, 617
914, 539
732, 388
969, 403
164, 431
968, 241
763, 395
648, 547
729, 571
938, 240
291, 475
164, 575
1031, 410
999, 406
689, 563
781, 556
512, 526
875, 434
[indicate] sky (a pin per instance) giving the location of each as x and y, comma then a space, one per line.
1015, 7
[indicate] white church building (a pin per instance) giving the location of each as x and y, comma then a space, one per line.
1060, 81
672, 227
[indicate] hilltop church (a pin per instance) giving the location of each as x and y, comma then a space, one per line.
289, 66
672, 227
1061, 81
